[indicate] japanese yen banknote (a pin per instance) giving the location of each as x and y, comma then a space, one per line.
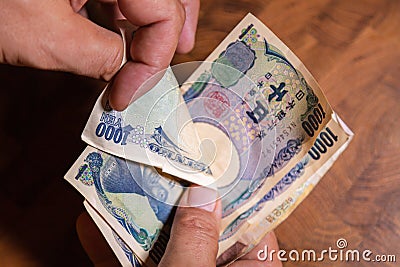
155, 130
250, 121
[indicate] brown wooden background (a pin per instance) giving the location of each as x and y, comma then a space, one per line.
352, 47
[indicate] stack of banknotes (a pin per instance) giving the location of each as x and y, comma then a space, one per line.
249, 121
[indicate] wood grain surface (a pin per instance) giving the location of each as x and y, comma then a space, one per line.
351, 47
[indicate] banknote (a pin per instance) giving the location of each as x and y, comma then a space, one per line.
134, 199
278, 213
154, 130
255, 91
329, 140
284, 196
121, 250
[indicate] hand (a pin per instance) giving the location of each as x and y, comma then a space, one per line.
50, 34
195, 233
193, 240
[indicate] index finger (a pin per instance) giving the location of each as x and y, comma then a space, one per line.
152, 48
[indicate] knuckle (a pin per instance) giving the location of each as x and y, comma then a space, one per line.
200, 226
199, 234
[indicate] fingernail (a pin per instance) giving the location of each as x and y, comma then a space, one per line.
202, 198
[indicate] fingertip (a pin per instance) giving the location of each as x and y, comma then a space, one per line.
202, 229
204, 198
185, 44
187, 37
116, 103
113, 99
122, 88
133, 81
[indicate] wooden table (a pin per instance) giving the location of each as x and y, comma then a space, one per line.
351, 47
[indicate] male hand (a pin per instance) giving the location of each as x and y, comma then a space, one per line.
51, 34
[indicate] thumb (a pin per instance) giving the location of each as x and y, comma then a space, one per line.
87, 49
195, 231
50, 35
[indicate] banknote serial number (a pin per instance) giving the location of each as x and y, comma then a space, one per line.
280, 210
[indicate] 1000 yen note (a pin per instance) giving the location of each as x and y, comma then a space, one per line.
254, 90
155, 130
134, 199
331, 142
275, 213
330, 139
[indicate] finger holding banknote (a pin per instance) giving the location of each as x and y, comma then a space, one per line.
53, 35
164, 27
195, 233
195, 230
